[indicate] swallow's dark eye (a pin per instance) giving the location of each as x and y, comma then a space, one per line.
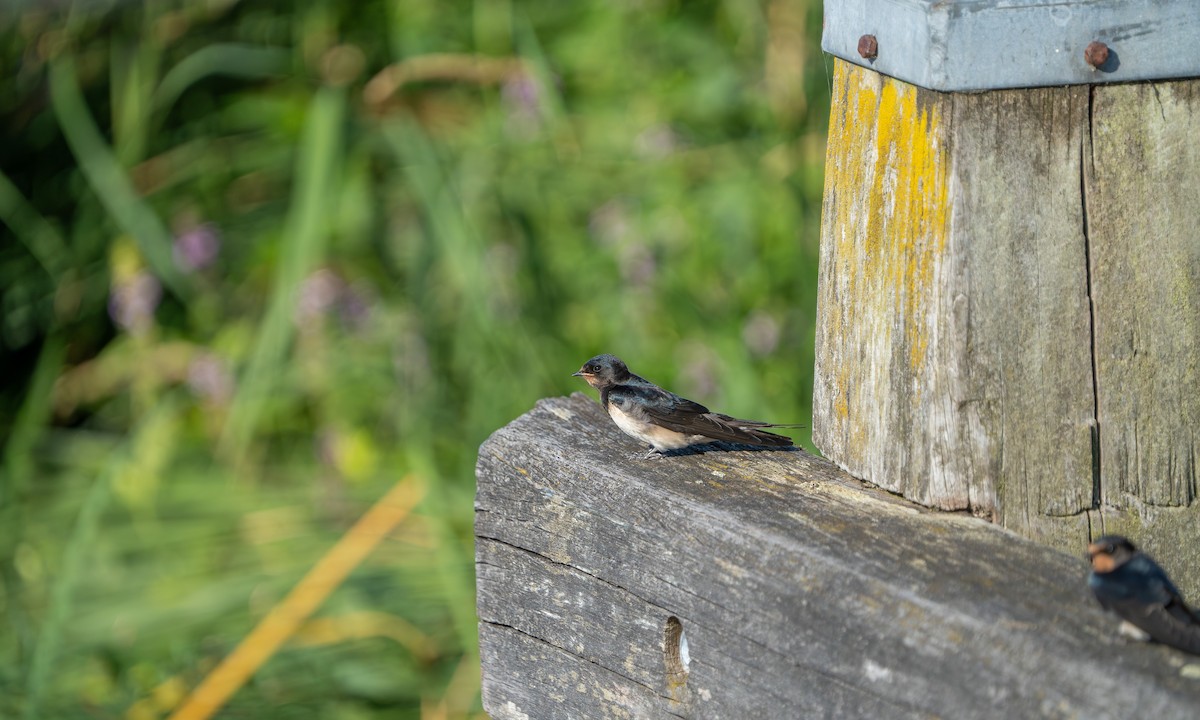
593, 369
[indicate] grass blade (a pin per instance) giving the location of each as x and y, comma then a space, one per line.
83, 537
29, 422
304, 238
33, 231
18, 468
62, 596
106, 177
230, 59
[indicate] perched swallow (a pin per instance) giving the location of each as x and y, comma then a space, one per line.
661, 418
1133, 586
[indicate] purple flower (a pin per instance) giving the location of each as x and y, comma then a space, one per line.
131, 305
522, 99
197, 248
210, 378
354, 309
318, 293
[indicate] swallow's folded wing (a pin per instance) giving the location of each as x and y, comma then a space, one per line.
1172, 624
673, 412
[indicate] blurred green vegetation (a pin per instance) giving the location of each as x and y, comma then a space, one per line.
263, 260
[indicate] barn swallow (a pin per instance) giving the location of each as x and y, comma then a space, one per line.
1133, 586
661, 418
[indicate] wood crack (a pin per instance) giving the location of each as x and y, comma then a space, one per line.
576, 568
1087, 164
547, 643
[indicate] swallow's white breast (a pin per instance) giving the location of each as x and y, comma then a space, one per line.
659, 437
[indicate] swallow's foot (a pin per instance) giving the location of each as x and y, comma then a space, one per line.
651, 454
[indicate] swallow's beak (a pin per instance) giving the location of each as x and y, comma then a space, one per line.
577, 373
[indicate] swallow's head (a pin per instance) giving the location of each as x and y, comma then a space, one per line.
1110, 552
603, 371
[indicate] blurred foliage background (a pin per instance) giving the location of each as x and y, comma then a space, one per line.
261, 261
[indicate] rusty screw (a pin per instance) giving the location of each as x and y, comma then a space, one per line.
868, 47
1096, 53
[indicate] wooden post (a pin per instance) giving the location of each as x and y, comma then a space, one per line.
772, 585
1009, 303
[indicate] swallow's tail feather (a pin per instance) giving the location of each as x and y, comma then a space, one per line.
765, 438
748, 424
724, 427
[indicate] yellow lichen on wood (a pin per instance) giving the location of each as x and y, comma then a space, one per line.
887, 211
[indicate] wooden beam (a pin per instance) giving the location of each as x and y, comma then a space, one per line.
800, 592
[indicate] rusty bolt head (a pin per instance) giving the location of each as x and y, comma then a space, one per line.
868, 47
1096, 54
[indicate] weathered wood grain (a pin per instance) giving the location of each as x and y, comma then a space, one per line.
953, 343
1009, 305
1018, 367
1144, 226
801, 592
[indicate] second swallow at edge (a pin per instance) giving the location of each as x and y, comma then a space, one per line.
663, 419
1129, 583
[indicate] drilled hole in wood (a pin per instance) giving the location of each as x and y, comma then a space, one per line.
675, 653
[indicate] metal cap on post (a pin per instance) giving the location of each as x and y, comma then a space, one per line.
988, 45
